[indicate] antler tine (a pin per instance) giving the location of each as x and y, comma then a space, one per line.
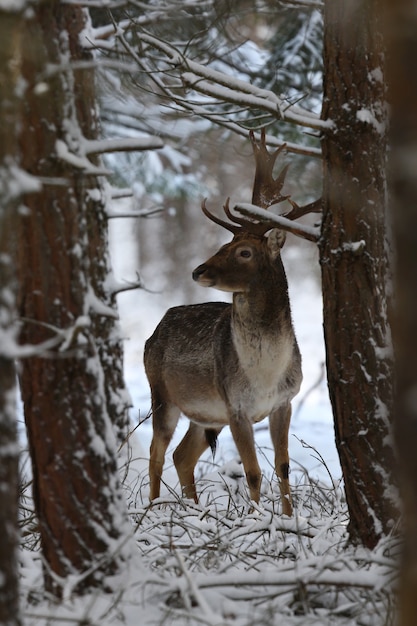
234, 218
233, 228
298, 211
280, 179
260, 146
266, 188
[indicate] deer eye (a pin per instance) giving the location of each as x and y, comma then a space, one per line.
245, 253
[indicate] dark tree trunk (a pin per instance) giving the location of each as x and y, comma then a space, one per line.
353, 257
73, 396
9, 201
401, 30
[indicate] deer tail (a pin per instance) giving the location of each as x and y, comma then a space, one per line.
211, 438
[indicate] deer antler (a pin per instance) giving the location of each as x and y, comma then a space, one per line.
266, 188
266, 192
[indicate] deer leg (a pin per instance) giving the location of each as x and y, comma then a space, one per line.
242, 432
165, 417
279, 423
192, 446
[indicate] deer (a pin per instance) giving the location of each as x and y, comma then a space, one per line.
233, 363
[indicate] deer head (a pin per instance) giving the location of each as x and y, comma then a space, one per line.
239, 263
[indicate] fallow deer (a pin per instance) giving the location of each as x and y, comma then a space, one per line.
229, 364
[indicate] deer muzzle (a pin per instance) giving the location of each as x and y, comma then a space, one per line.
202, 276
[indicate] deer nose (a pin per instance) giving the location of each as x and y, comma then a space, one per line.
199, 271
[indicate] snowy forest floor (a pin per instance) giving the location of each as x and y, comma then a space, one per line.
219, 564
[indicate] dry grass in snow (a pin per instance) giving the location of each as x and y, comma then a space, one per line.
224, 562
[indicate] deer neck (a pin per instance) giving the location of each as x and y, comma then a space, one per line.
262, 334
263, 310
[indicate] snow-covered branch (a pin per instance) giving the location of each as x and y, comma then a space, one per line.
12, 350
197, 110
125, 144
329, 578
62, 339
120, 287
143, 213
102, 146
303, 4
116, 193
278, 221
228, 88
266, 102
79, 161
175, 69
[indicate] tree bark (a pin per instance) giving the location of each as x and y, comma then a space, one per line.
353, 257
10, 48
401, 33
73, 396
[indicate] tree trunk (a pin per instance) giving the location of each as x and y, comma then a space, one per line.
353, 257
401, 31
9, 201
73, 395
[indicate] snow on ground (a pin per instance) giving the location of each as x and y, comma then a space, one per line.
140, 312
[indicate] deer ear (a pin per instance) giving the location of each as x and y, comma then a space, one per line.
276, 240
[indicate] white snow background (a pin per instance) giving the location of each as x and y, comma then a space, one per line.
219, 563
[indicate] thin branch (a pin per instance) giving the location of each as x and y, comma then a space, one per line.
303, 4
96, 4
130, 286
193, 589
143, 213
